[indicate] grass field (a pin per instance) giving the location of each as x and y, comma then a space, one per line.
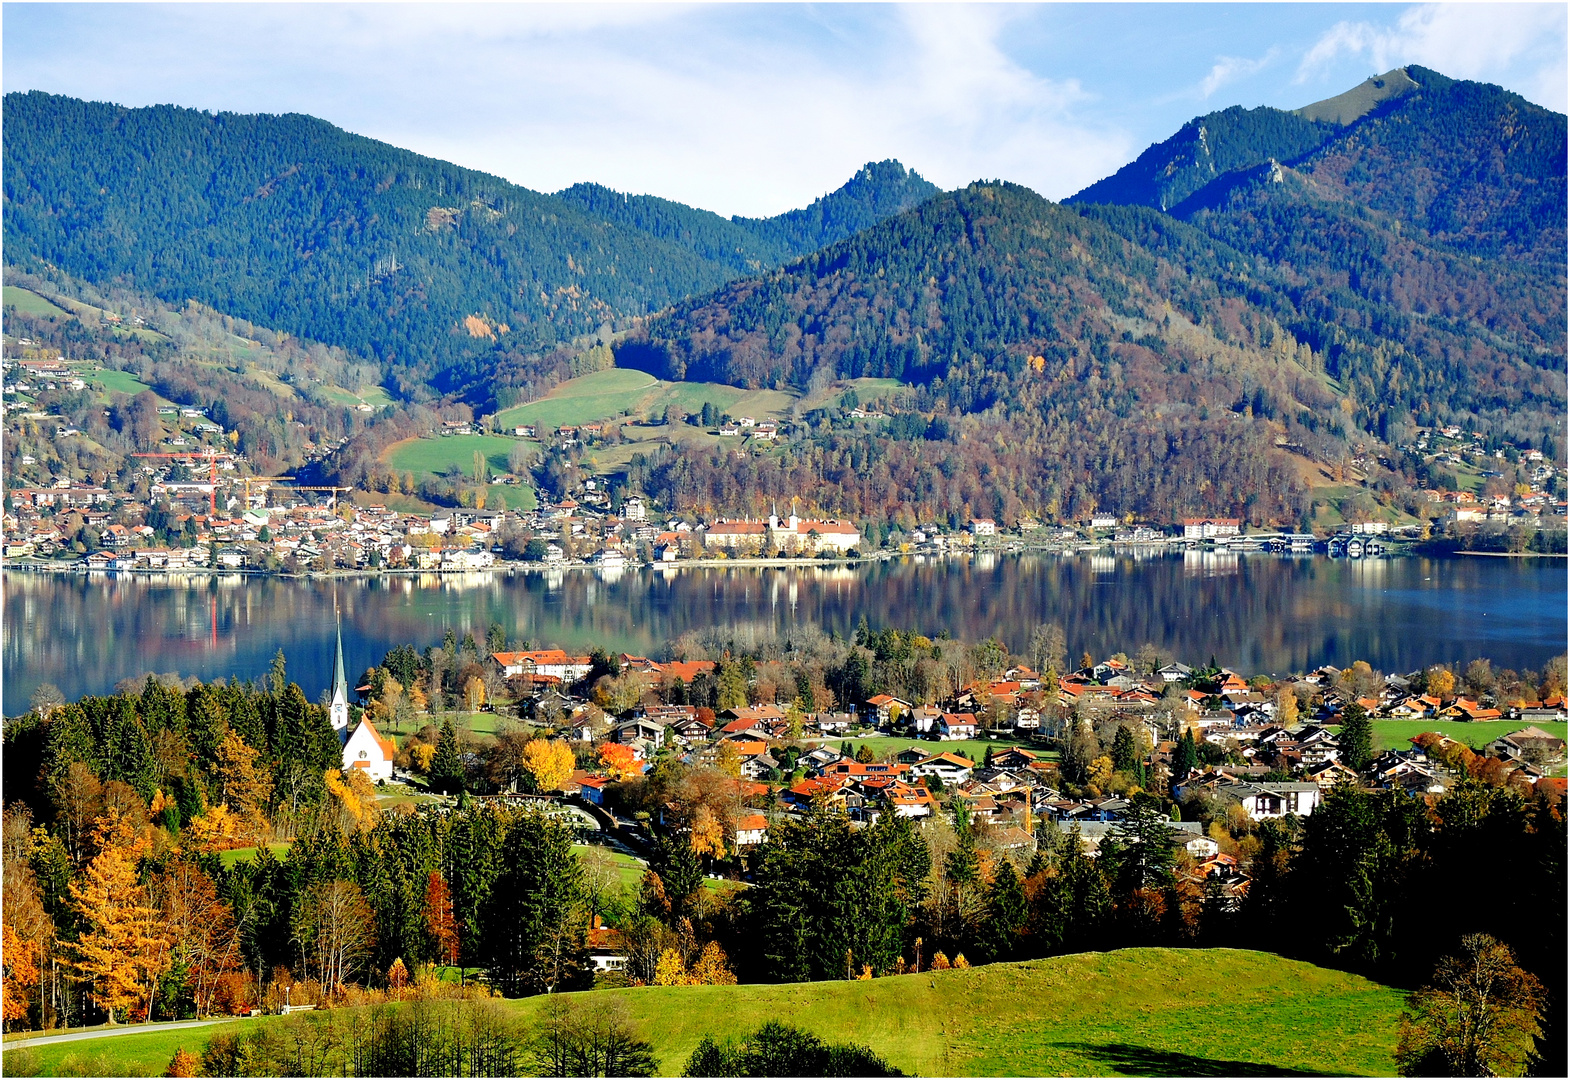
117, 382
885, 745
582, 400
1397, 734
436, 456
246, 854
30, 303
1135, 1012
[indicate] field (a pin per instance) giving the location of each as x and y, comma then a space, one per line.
436, 456
619, 391
1135, 1012
117, 382
885, 745
1396, 734
30, 303
246, 854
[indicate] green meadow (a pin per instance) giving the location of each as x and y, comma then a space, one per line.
30, 303
1134, 1012
1398, 734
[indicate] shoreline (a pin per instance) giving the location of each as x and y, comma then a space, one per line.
511, 568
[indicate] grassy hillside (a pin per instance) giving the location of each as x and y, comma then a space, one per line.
1397, 734
436, 456
1135, 1012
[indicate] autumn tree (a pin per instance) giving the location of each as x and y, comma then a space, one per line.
20, 961
549, 763
204, 942
618, 760
122, 950
440, 921
1478, 1016
243, 785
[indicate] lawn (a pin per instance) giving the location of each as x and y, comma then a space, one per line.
117, 382
1134, 1012
246, 854
1397, 734
578, 401
887, 745
437, 455
117, 1055
629, 869
30, 303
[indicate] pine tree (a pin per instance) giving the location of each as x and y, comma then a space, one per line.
1186, 759
1007, 911
446, 772
1356, 738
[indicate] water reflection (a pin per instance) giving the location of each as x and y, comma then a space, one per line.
1254, 611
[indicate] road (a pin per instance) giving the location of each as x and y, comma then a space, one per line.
124, 1029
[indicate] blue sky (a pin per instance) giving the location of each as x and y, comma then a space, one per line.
756, 108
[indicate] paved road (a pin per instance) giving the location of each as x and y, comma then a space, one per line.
126, 1029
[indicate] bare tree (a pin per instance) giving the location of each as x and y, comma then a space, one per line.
335, 930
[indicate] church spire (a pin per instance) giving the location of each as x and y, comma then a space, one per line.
338, 711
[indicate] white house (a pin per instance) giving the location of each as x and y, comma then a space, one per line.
366, 749
751, 830
956, 726
950, 768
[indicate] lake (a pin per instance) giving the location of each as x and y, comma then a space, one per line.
1253, 612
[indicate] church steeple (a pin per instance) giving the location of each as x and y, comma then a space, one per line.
338, 711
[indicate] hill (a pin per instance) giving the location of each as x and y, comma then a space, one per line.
747, 245
292, 223
1136, 1012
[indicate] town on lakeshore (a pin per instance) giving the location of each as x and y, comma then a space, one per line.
197, 504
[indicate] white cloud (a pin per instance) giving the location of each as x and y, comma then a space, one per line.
1467, 41
1229, 69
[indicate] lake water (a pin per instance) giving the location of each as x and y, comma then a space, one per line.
1252, 612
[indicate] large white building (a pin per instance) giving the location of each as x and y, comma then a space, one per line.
790, 534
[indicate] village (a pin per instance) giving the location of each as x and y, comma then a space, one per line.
1019, 758
197, 504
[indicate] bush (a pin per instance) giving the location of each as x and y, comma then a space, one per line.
777, 1049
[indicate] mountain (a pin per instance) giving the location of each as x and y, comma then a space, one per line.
879, 190
1472, 166
1156, 362
440, 272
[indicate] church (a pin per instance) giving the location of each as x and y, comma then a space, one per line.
365, 748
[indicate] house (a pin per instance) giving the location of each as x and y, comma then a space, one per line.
909, 800
607, 949
956, 726
983, 527
1531, 743
1273, 800
591, 789
751, 830
366, 749
1329, 773
1209, 528
641, 730
553, 662
950, 768
883, 709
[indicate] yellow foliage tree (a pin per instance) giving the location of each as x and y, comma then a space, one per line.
422, 753
1441, 683
184, 1063
711, 968
940, 962
474, 693
121, 952
20, 960
218, 829
1101, 772
243, 784
669, 969
618, 760
708, 834
960, 963
549, 762
728, 760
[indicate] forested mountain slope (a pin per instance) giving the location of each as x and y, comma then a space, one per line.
747, 245
441, 272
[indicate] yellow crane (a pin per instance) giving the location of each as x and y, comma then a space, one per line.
249, 480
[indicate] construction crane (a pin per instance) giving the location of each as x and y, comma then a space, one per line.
333, 504
211, 457
249, 480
